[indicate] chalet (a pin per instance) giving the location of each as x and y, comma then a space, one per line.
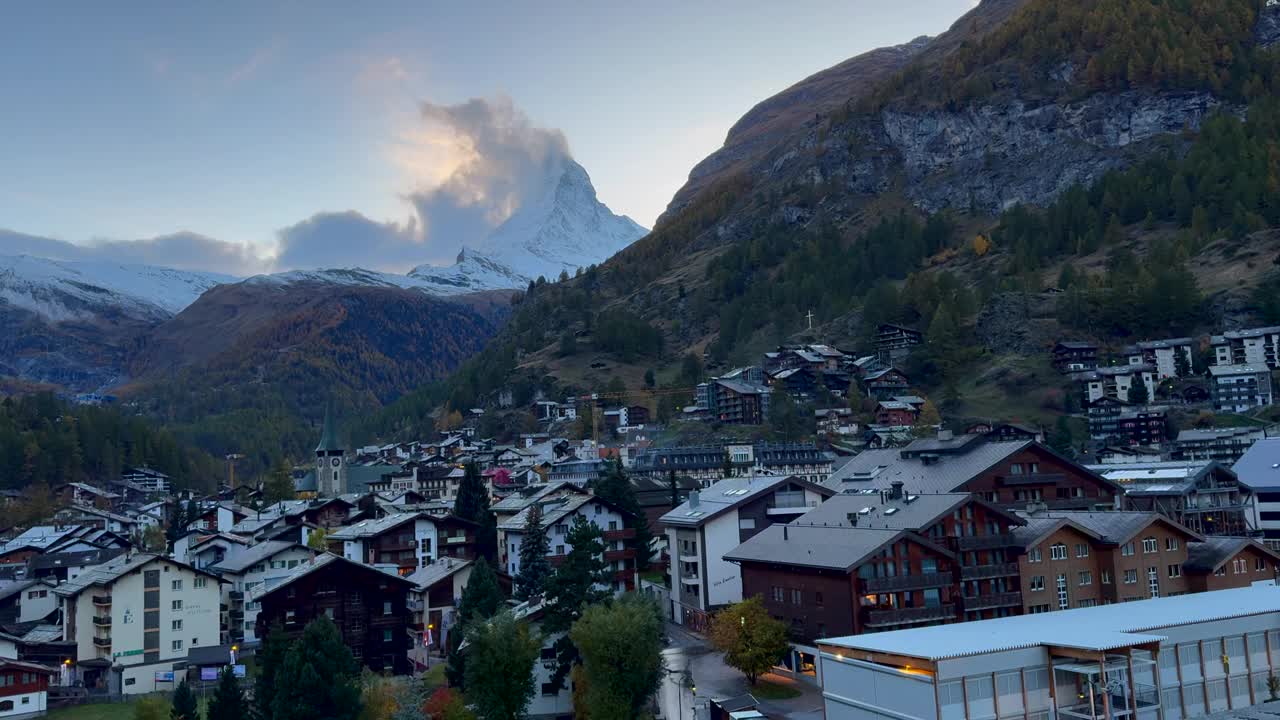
896, 413
1116, 422
894, 342
369, 606
149, 479
1222, 444
558, 513
885, 383
1007, 474
1070, 356
437, 588
736, 402
1258, 346
714, 521
1240, 387
1206, 497
85, 495
24, 688
868, 563
1122, 454
835, 422
246, 573
403, 542
1171, 358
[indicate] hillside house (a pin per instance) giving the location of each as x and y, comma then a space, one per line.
1115, 382
894, 342
1072, 356
1257, 346
1171, 358
1206, 497
1240, 387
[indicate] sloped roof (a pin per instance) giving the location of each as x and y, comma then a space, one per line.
876, 469
1259, 467
919, 513
246, 558
1207, 556
320, 562
329, 434
425, 577
728, 494
115, 569
372, 528
1116, 526
833, 548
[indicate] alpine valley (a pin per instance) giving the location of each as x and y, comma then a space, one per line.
237, 364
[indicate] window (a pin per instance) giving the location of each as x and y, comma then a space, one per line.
199, 582
559, 549
176, 604
1175, 570
37, 594
176, 584
1239, 565
746, 523
1259, 565
1036, 609
1034, 555
1130, 576
613, 524
776, 593
796, 597
386, 636
1220, 571
1015, 469
175, 625
175, 645
1126, 549
1106, 577
386, 608
1149, 545
1086, 578
1037, 583
1058, 551
549, 689
817, 599
1153, 581
130, 681
1171, 543
6, 705
1082, 550
563, 529
1090, 602
1063, 602
290, 617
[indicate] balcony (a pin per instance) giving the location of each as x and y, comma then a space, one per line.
690, 580
102, 600
415, 605
615, 555
986, 602
907, 582
790, 508
237, 613
102, 642
623, 534
236, 595
985, 572
455, 540
1034, 479
984, 542
237, 634
101, 621
908, 616
689, 558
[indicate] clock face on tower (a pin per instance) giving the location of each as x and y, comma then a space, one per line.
335, 462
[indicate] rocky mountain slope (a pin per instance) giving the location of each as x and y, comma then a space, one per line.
890, 163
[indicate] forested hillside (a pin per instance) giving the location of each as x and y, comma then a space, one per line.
1134, 134
46, 441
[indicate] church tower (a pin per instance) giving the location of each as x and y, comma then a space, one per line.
331, 460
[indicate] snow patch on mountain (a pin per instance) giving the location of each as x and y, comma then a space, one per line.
61, 290
564, 228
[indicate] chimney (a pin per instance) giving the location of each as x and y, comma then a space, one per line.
852, 518
895, 490
945, 435
694, 497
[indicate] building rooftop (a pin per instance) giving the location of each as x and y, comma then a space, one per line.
1210, 434
425, 577
1100, 628
113, 570
1241, 369
244, 558
944, 472
834, 548
910, 512
1214, 552
1250, 333
1115, 526
1259, 467
319, 562
727, 495
372, 528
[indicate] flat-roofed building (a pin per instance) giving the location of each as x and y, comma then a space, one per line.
1162, 659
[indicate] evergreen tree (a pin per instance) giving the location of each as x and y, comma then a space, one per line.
1061, 439
228, 701
673, 488
279, 485
500, 657
580, 581
472, 504
621, 646
319, 677
270, 658
535, 568
185, 706
482, 596
615, 487
1138, 394
177, 527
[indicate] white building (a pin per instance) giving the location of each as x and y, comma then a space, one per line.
718, 519
1246, 347
1115, 381
138, 615
247, 572
1240, 387
1163, 355
1259, 469
558, 513
23, 689
1163, 659
405, 541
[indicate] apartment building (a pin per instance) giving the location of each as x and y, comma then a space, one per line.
558, 513
1205, 497
1006, 474
246, 573
1257, 346
369, 606
404, 541
1259, 470
869, 563
707, 463
1083, 559
1221, 563
1115, 381
1240, 388
1171, 358
437, 588
712, 522
1225, 445
1071, 356
137, 615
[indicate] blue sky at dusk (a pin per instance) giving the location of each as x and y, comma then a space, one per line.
239, 120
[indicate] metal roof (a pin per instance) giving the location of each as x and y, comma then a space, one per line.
1211, 554
876, 469
245, 558
371, 528
1104, 627
728, 494
834, 548
329, 434
1115, 526
320, 561
1240, 369
910, 512
425, 577
1259, 467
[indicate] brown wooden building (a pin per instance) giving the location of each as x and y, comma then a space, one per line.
370, 608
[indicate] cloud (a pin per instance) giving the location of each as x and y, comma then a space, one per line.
182, 250
469, 167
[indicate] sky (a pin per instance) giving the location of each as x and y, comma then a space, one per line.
225, 136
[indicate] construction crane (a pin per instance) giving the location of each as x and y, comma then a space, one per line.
595, 402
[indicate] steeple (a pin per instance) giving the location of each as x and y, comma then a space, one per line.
329, 434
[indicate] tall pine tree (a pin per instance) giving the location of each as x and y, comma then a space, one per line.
184, 704
472, 504
270, 659
319, 677
535, 568
481, 600
228, 701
